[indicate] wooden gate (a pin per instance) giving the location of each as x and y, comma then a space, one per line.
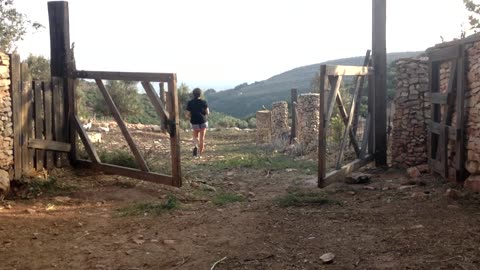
446, 146
168, 113
38, 122
364, 149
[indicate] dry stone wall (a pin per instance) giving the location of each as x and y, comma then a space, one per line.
412, 112
6, 124
279, 119
309, 119
264, 127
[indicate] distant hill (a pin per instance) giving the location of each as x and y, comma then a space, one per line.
246, 99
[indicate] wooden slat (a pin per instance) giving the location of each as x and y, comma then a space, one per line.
27, 120
442, 98
322, 132
444, 54
127, 172
118, 118
343, 115
371, 112
47, 105
175, 132
39, 124
348, 130
49, 145
16, 89
366, 62
89, 147
58, 117
333, 70
293, 131
335, 83
366, 135
124, 76
163, 124
340, 174
155, 99
437, 128
460, 120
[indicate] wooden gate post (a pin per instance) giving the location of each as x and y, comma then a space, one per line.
379, 48
62, 66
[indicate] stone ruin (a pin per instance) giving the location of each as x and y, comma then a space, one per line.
308, 121
412, 113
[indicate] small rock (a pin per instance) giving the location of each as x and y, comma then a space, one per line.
62, 199
138, 239
169, 242
420, 195
413, 172
208, 188
351, 193
195, 185
424, 168
419, 226
327, 258
369, 188
251, 194
453, 194
453, 206
406, 187
290, 170
30, 211
358, 178
230, 183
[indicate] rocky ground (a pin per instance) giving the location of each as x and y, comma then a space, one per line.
241, 207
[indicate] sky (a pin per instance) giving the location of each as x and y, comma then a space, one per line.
222, 43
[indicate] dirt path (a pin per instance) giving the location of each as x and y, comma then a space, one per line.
382, 225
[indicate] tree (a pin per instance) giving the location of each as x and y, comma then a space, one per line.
183, 98
474, 8
39, 67
13, 25
125, 97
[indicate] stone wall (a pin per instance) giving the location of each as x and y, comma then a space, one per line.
409, 133
308, 121
264, 127
279, 119
6, 124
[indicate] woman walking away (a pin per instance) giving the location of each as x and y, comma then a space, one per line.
197, 109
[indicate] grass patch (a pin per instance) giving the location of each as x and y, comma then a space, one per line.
303, 198
222, 199
256, 159
35, 188
149, 208
118, 157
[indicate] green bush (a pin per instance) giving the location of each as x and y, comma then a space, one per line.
118, 157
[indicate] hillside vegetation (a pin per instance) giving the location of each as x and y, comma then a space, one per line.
245, 99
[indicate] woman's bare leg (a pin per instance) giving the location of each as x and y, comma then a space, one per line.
202, 139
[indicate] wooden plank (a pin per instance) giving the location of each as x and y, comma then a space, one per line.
460, 119
366, 62
27, 120
89, 147
155, 99
118, 118
337, 70
163, 123
175, 132
335, 83
379, 49
39, 124
371, 112
123, 76
58, 117
16, 90
444, 54
127, 172
343, 115
322, 132
49, 145
442, 98
366, 135
339, 175
348, 125
437, 128
48, 107
294, 99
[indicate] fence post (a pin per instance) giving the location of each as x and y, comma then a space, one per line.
379, 48
62, 66
294, 115
15, 72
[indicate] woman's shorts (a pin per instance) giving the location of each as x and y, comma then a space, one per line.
199, 126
